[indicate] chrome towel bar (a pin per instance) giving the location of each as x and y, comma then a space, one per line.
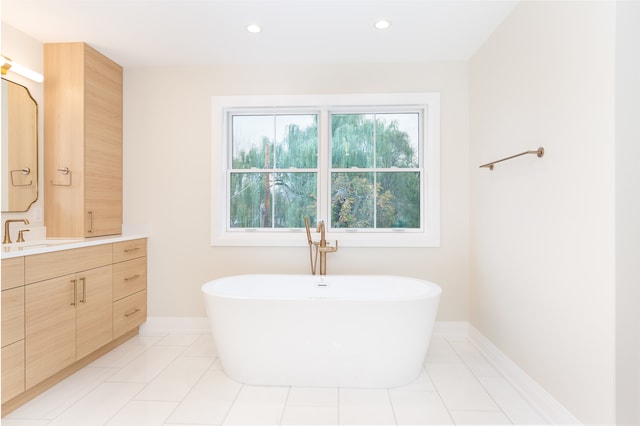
539, 152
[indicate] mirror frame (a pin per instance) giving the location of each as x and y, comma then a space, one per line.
36, 172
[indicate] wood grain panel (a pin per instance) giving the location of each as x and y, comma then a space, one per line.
129, 313
12, 370
12, 272
39, 267
94, 326
64, 130
83, 131
127, 250
50, 317
103, 143
12, 315
129, 277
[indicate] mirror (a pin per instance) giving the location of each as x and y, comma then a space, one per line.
19, 148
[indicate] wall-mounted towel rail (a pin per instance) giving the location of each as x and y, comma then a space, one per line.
539, 152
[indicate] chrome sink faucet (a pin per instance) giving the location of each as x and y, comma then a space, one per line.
321, 246
7, 234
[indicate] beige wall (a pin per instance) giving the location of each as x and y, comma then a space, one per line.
627, 214
167, 159
542, 230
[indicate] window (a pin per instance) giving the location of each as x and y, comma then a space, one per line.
368, 165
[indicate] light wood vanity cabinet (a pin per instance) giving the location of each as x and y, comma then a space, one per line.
62, 309
12, 328
67, 316
129, 285
83, 137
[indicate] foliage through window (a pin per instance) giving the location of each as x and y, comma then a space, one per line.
362, 168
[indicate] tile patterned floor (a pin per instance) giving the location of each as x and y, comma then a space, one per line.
176, 380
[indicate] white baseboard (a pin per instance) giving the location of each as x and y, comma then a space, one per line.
544, 403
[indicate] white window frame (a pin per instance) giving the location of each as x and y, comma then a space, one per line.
427, 236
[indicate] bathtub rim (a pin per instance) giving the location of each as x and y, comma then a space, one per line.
432, 290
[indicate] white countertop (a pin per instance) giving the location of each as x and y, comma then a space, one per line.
52, 244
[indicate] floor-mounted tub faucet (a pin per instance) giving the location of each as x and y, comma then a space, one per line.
321, 247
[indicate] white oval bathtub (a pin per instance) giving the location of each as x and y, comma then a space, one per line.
332, 331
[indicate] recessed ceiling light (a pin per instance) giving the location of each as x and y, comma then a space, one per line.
254, 28
383, 24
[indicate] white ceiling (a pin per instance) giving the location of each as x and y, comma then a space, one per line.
138, 33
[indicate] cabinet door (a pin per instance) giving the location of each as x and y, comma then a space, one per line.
12, 315
12, 272
103, 144
50, 317
12, 370
94, 310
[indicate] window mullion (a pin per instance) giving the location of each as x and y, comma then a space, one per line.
324, 167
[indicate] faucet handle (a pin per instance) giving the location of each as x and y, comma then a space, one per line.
21, 236
329, 249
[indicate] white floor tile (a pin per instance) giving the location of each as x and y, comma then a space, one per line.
175, 381
209, 401
472, 357
63, 395
98, 406
419, 408
22, 422
148, 365
422, 384
258, 405
125, 353
313, 396
203, 346
178, 340
512, 403
459, 388
470, 417
310, 415
365, 407
143, 413
440, 351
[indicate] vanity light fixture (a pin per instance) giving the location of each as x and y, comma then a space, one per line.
253, 28
383, 24
7, 64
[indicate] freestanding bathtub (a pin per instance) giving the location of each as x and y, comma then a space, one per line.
329, 331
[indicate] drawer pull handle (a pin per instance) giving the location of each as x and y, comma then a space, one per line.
75, 292
128, 314
135, 277
131, 249
84, 290
90, 221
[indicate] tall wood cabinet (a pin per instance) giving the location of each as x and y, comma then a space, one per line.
83, 142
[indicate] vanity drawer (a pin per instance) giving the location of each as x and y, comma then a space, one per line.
129, 313
12, 315
127, 250
39, 267
12, 370
129, 277
12, 272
